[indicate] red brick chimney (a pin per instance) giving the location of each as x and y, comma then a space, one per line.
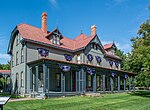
44, 22
93, 30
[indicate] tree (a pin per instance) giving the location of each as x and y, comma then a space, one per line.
125, 59
5, 66
140, 55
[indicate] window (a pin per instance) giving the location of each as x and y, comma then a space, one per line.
54, 39
89, 80
97, 47
58, 79
78, 59
21, 79
17, 39
17, 58
17, 76
57, 40
88, 62
98, 81
22, 55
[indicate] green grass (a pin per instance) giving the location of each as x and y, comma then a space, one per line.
133, 101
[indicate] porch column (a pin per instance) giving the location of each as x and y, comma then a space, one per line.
124, 84
62, 82
48, 72
78, 81
31, 80
84, 81
103, 83
111, 84
118, 83
94, 83
37, 77
44, 78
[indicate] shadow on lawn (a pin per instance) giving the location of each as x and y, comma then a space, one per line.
141, 93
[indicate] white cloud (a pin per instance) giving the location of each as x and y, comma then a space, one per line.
126, 47
54, 3
4, 57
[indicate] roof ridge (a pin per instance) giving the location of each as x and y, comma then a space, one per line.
29, 25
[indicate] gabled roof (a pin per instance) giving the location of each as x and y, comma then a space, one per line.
34, 34
108, 46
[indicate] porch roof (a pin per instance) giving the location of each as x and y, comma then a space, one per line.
81, 64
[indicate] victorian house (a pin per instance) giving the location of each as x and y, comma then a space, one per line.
47, 62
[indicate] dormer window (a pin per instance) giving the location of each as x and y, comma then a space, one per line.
56, 39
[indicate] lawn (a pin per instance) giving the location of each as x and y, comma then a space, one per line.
134, 101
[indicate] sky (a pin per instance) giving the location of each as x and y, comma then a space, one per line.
116, 20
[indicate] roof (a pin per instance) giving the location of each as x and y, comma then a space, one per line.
36, 34
4, 71
32, 33
80, 64
108, 46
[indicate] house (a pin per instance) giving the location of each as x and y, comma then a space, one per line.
5, 85
46, 62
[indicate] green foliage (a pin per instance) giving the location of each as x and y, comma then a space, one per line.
2, 82
5, 66
125, 59
140, 56
138, 60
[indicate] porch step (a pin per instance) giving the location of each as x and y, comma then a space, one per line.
38, 95
93, 94
41, 96
60, 94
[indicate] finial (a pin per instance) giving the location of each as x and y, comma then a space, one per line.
113, 42
81, 31
57, 23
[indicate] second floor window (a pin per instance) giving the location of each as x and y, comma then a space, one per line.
17, 39
22, 55
17, 58
78, 59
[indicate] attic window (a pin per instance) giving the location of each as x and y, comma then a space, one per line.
56, 39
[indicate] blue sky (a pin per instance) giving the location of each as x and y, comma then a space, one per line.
116, 20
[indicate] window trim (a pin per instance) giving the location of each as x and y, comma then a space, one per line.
22, 55
22, 79
17, 60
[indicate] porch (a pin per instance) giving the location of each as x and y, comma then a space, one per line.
54, 78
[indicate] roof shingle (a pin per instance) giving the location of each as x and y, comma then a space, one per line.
36, 34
